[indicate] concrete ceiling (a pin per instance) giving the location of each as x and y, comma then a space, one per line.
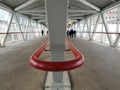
78, 9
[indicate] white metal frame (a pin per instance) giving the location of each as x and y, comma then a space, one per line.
25, 5
89, 5
13, 14
57, 18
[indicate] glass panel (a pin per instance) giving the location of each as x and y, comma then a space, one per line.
97, 35
113, 27
82, 23
4, 18
30, 33
78, 29
36, 31
111, 18
111, 15
93, 22
100, 33
119, 43
85, 33
14, 33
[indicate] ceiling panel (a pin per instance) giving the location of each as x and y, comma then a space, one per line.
13, 3
35, 5
79, 5
73, 5
101, 3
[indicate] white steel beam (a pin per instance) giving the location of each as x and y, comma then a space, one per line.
35, 14
69, 18
72, 20
39, 8
89, 5
42, 21
113, 0
42, 17
43, 11
91, 11
32, 11
57, 18
82, 14
76, 18
113, 5
5, 7
25, 4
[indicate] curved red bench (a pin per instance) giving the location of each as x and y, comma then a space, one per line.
56, 66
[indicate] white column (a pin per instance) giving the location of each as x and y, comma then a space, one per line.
57, 18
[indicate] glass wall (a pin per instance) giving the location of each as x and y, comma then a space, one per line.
100, 33
14, 33
112, 19
4, 20
107, 29
15, 27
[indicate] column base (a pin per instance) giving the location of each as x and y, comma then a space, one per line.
65, 85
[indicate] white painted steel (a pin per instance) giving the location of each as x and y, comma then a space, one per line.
25, 4
57, 20
41, 11
66, 85
115, 4
89, 5
5, 7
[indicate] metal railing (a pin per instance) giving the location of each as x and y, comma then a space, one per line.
56, 66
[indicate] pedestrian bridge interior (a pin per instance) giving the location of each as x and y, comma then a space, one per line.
26, 24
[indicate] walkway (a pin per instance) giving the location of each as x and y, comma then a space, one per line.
101, 70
